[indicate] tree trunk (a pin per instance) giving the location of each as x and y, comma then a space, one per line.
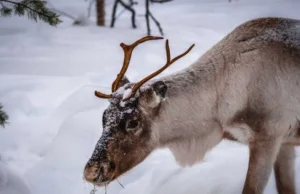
100, 6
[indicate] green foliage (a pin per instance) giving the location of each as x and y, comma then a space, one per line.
3, 117
4, 11
34, 9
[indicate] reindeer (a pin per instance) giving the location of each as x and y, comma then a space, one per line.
245, 88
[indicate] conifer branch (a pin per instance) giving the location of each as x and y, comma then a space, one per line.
5, 11
3, 117
35, 9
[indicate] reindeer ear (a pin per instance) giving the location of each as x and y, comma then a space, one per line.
160, 88
124, 81
151, 98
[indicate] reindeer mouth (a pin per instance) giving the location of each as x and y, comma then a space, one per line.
100, 175
100, 182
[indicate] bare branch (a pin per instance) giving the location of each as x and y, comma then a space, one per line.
157, 23
129, 8
160, 1
147, 17
149, 14
90, 8
113, 17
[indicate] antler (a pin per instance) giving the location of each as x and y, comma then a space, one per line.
127, 56
168, 63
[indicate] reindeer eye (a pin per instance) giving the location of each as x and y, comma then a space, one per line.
132, 124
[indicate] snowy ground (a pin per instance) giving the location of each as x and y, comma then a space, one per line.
47, 79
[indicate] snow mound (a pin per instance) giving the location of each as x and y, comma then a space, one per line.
11, 182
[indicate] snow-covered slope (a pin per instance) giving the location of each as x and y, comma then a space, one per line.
11, 182
48, 76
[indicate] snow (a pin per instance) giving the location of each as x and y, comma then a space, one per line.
11, 182
127, 93
47, 81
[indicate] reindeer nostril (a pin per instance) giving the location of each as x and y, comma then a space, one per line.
91, 173
112, 165
101, 171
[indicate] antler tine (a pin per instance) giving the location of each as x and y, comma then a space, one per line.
168, 63
102, 95
127, 56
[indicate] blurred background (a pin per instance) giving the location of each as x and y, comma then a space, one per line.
54, 54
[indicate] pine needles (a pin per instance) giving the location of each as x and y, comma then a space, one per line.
3, 117
34, 9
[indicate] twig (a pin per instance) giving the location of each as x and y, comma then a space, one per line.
149, 14
94, 190
63, 13
129, 8
121, 12
147, 18
157, 23
90, 8
113, 17
60, 12
160, 1
120, 184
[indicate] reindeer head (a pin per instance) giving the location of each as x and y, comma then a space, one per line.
127, 137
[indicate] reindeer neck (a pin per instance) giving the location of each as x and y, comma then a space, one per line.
184, 123
190, 100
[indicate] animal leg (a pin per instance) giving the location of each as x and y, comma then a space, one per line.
263, 154
284, 170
